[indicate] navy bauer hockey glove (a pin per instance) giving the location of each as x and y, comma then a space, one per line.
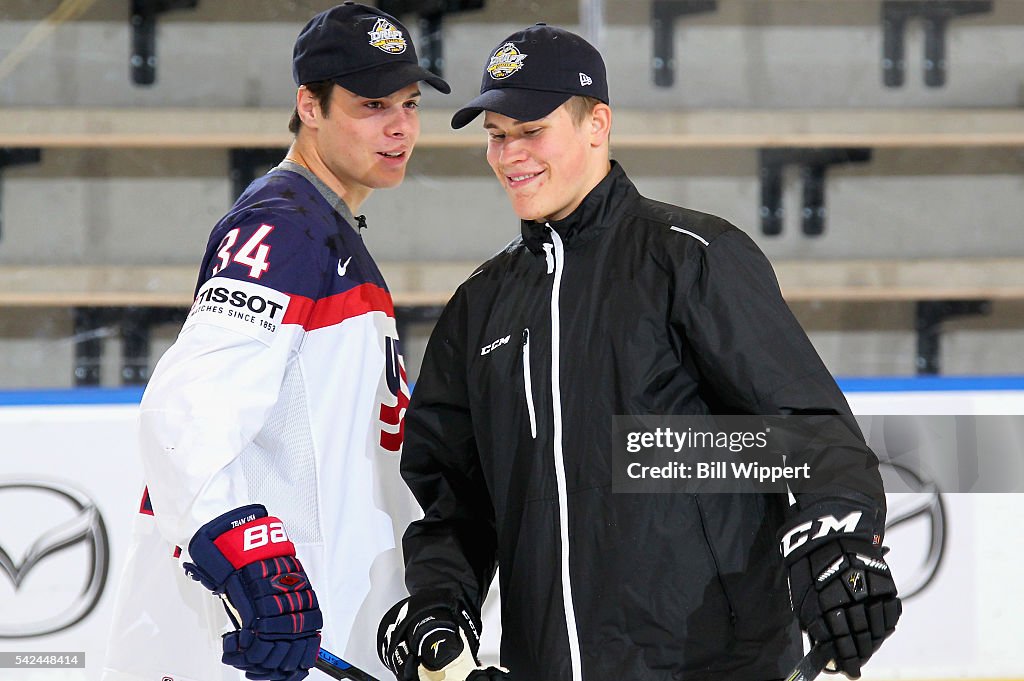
843, 593
245, 557
432, 637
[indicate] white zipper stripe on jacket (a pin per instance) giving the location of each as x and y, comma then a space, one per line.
528, 383
563, 496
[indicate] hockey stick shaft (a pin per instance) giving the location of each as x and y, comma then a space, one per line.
337, 668
810, 666
326, 661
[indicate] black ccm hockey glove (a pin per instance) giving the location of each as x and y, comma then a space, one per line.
433, 637
245, 557
843, 593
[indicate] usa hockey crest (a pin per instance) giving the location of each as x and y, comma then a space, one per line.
386, 37
505, 61
394, 398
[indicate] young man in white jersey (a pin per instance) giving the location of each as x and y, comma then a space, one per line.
271, 429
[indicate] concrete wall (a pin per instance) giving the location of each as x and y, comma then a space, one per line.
128, 206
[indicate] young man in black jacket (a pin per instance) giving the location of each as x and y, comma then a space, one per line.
611, 303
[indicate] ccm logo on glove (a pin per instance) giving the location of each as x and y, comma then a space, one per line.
842, 591
800, 535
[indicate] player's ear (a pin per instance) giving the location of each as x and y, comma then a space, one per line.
308, 107
600, 124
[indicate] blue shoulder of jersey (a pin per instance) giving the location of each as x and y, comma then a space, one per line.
282, 233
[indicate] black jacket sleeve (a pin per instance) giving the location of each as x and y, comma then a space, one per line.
453, 548
756, 359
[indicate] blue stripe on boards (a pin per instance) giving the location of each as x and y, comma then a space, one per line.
71, 396
78, 396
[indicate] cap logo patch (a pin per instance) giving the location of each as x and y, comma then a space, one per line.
505, 61
387, 38
585, 79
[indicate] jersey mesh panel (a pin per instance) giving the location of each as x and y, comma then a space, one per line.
279, 463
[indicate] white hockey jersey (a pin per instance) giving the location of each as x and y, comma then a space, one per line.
286, 388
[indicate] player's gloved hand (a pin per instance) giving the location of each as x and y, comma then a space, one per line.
245, 557
844, 597
432, 637
489, 674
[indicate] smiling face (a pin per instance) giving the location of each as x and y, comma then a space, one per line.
363, 144
548, 166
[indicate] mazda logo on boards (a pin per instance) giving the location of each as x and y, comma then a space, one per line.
70, 519
923, 503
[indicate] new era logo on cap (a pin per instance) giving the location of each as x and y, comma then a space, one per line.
585, 79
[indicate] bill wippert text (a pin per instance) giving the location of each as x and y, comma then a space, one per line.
719, 470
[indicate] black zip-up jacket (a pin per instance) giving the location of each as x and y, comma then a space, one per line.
635, 307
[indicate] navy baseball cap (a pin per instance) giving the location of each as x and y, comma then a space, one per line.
361, 49
533, 72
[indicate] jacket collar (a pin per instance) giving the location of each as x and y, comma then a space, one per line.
601, 208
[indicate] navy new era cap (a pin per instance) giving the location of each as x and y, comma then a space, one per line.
533, 72
361, 49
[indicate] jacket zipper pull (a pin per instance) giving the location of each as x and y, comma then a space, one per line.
550, 256
528, 384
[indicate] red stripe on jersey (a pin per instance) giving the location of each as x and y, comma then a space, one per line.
392, 442
337, 308
299, 309
392, 415
146, 506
